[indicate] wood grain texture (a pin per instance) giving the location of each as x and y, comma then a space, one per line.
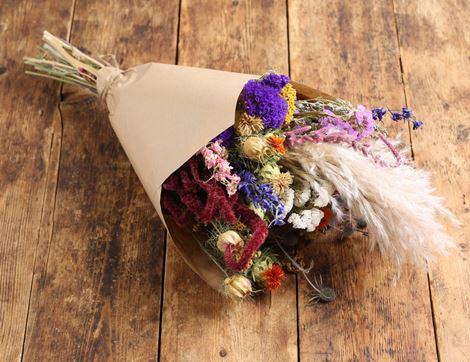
97, 285
27, 126
335, 48
435, 44
199, 324
81, 249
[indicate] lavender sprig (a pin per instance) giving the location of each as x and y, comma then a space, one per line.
406, 114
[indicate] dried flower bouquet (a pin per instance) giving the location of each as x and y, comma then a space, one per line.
241, 178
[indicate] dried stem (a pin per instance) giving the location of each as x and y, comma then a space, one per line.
320, 293
65, 63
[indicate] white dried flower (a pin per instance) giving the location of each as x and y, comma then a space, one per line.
302, 196
324, 195
307, 219
287, 198
228, 238
237, 286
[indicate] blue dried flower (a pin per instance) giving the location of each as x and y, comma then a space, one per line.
406, 113
262, 196
247, 184
379, 113
396, 116
417, 124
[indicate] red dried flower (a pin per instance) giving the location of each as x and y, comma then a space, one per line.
207, 200
187, 192
273, 277
326, 218
259, 233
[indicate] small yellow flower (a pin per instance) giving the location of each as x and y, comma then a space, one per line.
290, 95
247, 125
238, 286
239, 226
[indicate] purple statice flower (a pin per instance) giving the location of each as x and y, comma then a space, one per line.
262, 99
406, 113
262, 196
226, 137
276, 81
379, 113
365, 121
417, 124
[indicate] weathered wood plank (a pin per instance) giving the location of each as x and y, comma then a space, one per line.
198, 323
350, 49
96, 294
28, 122
434, 38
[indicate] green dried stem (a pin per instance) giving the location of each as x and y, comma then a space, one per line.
316, 108
63, 62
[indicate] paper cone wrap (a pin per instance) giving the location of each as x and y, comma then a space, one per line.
163, 114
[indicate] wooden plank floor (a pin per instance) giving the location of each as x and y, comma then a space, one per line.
86, 272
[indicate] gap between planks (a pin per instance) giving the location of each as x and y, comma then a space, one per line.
166, 235
52, 177
410, 133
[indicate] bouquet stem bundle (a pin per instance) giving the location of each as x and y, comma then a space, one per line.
63, 62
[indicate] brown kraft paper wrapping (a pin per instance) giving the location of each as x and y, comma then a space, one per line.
163, 114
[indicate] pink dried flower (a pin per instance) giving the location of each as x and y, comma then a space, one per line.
329, 134
215, 159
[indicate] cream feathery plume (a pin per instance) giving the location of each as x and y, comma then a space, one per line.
398, 203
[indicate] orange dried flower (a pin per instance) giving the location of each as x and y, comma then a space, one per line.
273, 277
277, 143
